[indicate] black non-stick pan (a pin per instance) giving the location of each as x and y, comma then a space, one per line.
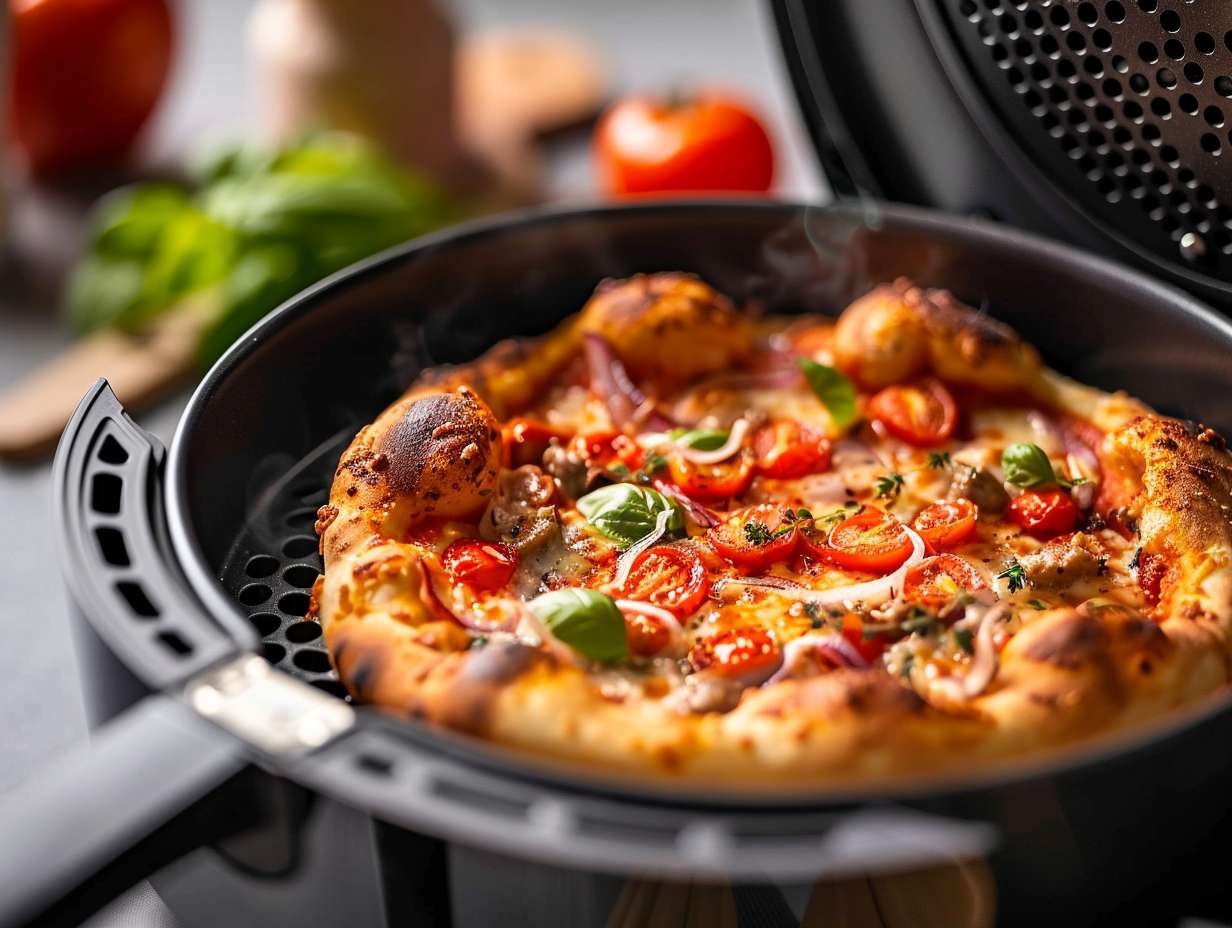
185, 567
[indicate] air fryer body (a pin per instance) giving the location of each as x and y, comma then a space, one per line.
305, 379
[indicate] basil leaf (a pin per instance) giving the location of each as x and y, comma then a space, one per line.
586, 620
627, 513
1026, 465
833, 389
701, 439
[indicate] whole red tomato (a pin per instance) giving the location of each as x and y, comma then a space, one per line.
86, 75
709, 142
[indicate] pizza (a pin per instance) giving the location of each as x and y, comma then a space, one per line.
674, 537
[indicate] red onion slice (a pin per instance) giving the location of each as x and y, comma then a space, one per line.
834, 648
706, 518
984, 662
765, 583
608, 378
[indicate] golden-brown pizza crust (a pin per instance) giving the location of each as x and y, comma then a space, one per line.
1067, 674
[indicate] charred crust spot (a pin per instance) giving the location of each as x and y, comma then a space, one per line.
499, 662
380, 463
361, 675
431, 435
1210, 437
1068, 641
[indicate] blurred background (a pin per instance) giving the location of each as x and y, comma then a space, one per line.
173, 171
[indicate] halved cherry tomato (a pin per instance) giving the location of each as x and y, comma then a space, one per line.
870, 648
525, 440
786, 449
1045, 513
755, 537
872, 541
669, 576
946, 523
935, 581
747, 653
922, 413
647, 635
603, 449
481, 565
712, 481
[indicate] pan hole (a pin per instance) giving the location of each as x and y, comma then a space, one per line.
262, 565
1139, 84
1087, 13
1148, 6
1148, 52
111, 544
1223, 85
469, 797
1076, 42
1120, 64
137, 601
1032, 20
302, 518
374, 764
111, 451
293, 604
1102, 39
266, 623
301, 575
1165, 76
1170, 156
968, 8
312, 661
1188, 104
1213, 116
1205, 43
1174, 49
1161, 108
1210, 143
1170, 20
333, 687
254, 593
273, 652
105, 492
300, 546
303, 632
175, 642
1194, 73
1152, 135
1115, 11
1059, 16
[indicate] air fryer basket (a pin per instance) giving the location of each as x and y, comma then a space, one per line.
255, 452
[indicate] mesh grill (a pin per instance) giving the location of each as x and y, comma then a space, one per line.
1126, 105
273, 564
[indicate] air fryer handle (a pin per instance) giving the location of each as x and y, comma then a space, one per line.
155, 783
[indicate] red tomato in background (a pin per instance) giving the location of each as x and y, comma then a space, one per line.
86, 76
1045, 513
935, 581
709, 142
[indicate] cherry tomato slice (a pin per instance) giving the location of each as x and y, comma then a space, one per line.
946, 523
481, 565
870, 648
747, 653
525, 440
710, 482
668, 576
922, 413
647, 635
787, 449
603, 449
755, 537
935, 581
1044, 513
872, 541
